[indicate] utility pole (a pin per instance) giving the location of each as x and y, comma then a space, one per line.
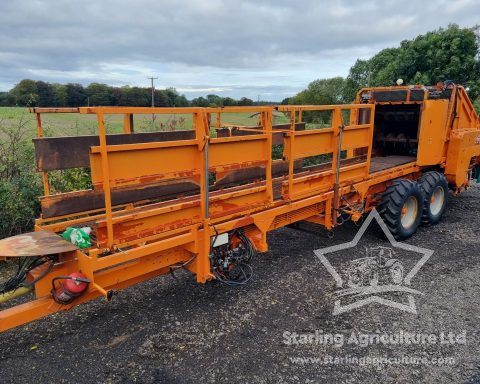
153, 100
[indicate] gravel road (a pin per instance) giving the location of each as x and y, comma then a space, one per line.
171, 330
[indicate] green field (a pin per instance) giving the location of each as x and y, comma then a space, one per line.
21, 185
74, 124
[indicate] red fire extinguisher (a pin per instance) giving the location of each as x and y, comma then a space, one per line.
71, 287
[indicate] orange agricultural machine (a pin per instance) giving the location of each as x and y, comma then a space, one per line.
204, 199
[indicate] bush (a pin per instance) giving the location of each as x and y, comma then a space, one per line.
19, 185
69, 180
19, 204
476, 104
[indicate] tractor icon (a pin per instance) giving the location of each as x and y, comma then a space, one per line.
379, 264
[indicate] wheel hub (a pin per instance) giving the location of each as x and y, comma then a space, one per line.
437, 200
409, 212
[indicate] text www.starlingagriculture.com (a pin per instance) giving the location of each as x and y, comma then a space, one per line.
369, 360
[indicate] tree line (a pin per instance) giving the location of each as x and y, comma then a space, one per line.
451, 53
31, 93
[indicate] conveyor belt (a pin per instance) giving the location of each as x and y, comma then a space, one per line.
378, 164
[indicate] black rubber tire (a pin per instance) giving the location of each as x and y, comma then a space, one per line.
392, 202
429, 182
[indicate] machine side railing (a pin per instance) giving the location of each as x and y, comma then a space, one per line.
114, 167
349, 142
119, 167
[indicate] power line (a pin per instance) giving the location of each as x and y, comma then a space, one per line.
153, 90
153, 99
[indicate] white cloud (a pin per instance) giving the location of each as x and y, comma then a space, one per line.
231, 47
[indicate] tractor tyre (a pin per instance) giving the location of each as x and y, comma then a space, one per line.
434, 187
401, 208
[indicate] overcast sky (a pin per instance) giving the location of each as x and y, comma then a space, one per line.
267, 49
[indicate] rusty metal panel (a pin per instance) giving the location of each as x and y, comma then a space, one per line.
54, 153
79, 201
53, 110
223, 132
298, 126
35, 244
246, 175
238, 176
277, 137
243, 131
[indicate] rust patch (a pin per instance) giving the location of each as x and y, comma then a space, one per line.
127, 232
81, 201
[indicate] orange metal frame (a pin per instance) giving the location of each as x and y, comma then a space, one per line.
135, 242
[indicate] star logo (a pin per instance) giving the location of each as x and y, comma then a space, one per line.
362, 278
